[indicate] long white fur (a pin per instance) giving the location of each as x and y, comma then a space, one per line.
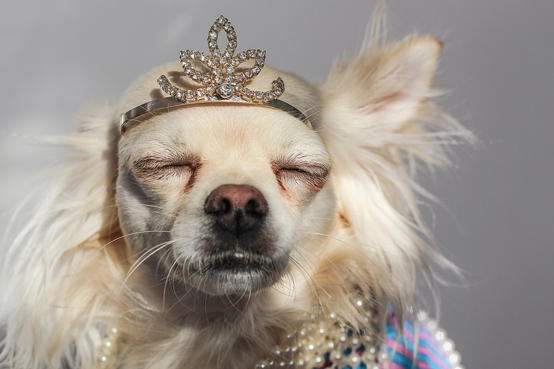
378, 125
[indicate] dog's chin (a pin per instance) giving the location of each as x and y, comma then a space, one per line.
236, 273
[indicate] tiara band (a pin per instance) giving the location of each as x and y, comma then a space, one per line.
222, 84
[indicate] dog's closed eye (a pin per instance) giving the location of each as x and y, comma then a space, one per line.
157, 168
300, 176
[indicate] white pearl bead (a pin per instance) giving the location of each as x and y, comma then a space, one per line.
261, 365
454, 357
448, 345
336, 355
369, 357
440, 335
353, 360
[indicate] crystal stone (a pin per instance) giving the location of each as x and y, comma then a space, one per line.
225, 90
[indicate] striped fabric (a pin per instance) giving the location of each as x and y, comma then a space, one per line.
430, 354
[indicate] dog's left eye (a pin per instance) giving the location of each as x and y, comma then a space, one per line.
306, 176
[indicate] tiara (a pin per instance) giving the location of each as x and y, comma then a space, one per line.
222, 83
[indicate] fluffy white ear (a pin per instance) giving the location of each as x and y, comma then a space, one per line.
68, 256
382, 89
378, 124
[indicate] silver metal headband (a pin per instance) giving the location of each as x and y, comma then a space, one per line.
221, 84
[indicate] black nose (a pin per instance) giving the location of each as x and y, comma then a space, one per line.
237, 208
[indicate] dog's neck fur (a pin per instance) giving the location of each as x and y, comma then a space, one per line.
194, 328
171, 320
188, 305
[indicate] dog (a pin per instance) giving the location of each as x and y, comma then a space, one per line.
222, 234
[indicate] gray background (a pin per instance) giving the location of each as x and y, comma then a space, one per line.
496, 220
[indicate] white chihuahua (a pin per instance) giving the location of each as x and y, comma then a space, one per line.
245, 221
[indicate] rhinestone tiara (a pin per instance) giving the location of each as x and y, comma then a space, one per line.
222, 83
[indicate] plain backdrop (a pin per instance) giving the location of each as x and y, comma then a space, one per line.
496, 216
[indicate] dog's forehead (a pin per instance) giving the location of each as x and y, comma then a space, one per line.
221, 130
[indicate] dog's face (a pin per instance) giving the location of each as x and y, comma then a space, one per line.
219, 197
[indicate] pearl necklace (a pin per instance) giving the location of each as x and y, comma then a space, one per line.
316, 343
108, 350
321, 343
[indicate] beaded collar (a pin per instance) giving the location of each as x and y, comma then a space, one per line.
329, 343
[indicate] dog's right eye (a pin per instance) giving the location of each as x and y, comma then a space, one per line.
155, 169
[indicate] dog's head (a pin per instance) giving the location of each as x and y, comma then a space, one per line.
227, 198
221, 194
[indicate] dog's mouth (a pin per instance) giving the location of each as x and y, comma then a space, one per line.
235, 261
236, 272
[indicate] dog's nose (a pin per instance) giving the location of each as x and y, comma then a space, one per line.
237, 208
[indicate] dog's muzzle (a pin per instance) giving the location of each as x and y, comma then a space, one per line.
240, 253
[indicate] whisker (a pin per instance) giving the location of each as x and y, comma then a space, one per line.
143, 258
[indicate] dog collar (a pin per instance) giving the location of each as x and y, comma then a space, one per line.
222, 83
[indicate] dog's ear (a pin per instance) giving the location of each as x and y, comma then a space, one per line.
380, 92
70, 254
379, 124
